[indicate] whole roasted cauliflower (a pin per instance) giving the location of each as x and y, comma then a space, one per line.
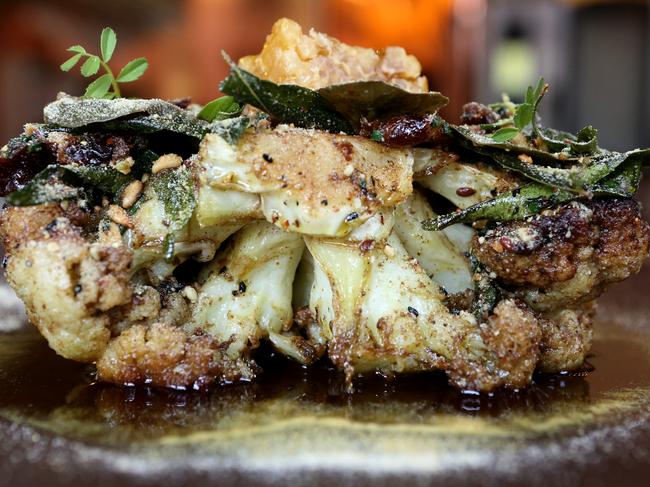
336, 216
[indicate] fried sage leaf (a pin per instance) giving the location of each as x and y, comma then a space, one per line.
102, 177
375, 100
288, 103
517, 204
175, 189
576, 179
531, 199
623, 182
148, 124
586, 141
480, 142
57, 183
124, 114
337, 108
46, 187
583, 172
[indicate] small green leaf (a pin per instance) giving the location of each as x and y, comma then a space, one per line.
99, 88
78, 49
220, 109
133, 70
586, 141
90, 67
108, 42
175, 189
70, 63
530, 96
523, 115
288, 103
539, 89
504, 134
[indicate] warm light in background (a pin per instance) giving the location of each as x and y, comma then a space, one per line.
420, 26
469, 49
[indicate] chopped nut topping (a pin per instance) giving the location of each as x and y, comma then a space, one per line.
525, 158
124, 165
168, 161
389, 251
497, 246
119, 216
190, 293
131, 194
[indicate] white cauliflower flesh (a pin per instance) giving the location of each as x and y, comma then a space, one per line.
379, 309
150, 227
462, 184
247, 292
310, 182
435, 252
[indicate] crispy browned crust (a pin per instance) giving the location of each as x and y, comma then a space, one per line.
538, 252
566, 338
607, 236
166, 356
22, 224
624, 238
511, 336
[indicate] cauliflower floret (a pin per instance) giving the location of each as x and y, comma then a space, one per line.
504, 351
165, 355
379, 311
310, 182
247, 290
569, 255
434, 251
67, 284
196, 239
566, 338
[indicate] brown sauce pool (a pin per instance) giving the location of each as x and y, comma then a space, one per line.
39, 387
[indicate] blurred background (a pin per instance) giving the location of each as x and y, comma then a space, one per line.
594, 54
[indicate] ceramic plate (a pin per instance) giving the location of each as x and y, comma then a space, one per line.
297, 426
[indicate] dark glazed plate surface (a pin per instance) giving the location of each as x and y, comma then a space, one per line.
298, 427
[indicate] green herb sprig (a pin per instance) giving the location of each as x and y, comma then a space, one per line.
220, 109
524, 113
107, 86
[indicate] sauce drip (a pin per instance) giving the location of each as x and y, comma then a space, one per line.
41, 387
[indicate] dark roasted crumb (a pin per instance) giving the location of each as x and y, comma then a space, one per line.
401, 130
241, 289
352, 216
548, 249
476, 113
